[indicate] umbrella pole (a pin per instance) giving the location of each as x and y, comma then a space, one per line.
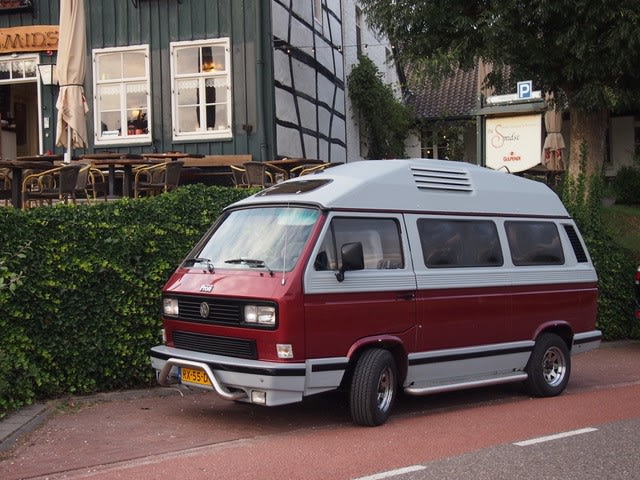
67, 154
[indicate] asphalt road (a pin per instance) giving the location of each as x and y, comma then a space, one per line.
475, 434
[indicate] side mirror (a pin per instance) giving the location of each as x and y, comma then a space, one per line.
352, 259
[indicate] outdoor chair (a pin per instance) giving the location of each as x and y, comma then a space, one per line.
91, 183
5, 185
156, 179
239, 176
57, 183
257, 174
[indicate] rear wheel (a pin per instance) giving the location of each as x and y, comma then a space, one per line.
549, 367
373, 388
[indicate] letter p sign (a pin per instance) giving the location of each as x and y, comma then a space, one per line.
525, 89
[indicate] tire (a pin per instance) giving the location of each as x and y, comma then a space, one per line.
373, 388
549, 367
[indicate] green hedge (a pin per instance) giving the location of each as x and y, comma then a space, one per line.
80, 289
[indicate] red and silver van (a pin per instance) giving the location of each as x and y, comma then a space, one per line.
374, 276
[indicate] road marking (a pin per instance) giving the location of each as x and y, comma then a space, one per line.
548, 438
393, 473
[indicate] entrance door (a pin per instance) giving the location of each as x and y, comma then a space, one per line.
24, 98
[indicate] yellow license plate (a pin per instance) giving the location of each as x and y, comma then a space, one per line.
192, 375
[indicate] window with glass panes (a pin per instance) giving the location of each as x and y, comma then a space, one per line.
17, 69
122, 95
201, 92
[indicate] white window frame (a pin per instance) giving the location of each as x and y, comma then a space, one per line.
222, 132
126, 137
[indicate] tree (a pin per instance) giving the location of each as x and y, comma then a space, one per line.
584, 51
386, 120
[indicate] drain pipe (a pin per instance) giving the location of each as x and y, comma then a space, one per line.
260, 83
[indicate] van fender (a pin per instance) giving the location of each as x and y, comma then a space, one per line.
387, 342
559, 327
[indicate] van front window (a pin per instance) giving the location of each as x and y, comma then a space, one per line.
271, 238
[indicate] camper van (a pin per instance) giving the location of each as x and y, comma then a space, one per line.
372, 277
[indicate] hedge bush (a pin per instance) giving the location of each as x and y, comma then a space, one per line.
615, 266
80, 289
626, 186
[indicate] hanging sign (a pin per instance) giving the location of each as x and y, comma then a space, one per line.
513, 143
31, 38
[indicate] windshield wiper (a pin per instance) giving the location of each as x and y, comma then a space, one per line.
251, 262
192, 261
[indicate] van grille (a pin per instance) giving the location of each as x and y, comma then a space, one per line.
230, 347
445, 179
226, 312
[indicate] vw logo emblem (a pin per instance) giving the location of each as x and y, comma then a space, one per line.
204, 309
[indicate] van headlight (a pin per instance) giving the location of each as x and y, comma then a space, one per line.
260, 314
170, 307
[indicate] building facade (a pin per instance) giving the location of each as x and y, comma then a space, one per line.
264, 77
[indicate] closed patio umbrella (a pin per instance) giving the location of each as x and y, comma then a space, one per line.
72, 106
552, 150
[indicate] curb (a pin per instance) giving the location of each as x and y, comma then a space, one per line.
21, 422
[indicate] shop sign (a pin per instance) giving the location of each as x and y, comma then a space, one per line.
32, 38
513, 143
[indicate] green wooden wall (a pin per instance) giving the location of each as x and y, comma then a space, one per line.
112, 23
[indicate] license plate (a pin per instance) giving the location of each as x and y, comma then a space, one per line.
192, 375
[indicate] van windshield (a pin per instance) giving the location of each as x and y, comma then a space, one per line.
270, 238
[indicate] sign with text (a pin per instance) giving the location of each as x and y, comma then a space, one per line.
31, 38
513, 143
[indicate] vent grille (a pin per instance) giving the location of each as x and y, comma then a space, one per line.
230, 347
442, 179
581, 255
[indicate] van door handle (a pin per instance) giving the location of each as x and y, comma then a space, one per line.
406, 296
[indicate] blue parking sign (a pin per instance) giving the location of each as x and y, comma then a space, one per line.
525, 89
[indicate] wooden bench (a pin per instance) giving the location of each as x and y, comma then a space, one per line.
211, 169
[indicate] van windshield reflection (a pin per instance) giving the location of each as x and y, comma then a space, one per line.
270, 237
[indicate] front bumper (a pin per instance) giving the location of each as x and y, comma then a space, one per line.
234, 378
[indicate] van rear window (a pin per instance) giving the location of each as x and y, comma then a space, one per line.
534, 243
459, 243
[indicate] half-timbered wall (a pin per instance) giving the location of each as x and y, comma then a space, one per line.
309, 79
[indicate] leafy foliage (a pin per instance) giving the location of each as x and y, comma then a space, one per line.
386, 119
590, 51
84, 309
615, 266
626, 186
587, 52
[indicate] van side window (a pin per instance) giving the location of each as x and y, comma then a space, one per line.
380, 238
534, 243
459, 243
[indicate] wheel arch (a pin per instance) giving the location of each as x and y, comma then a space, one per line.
560, 328
386, 342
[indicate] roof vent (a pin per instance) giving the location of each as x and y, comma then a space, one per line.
447, 179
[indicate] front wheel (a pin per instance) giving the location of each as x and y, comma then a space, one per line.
549, 367
373, 388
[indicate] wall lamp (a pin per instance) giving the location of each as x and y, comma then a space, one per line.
48, 74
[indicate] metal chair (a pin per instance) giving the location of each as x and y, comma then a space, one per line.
239, 176
57, 183
5, 185
156, 179
257, 174
91, 183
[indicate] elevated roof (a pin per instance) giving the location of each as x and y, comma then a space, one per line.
416, 185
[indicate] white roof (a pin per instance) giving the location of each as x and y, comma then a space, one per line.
416, 185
